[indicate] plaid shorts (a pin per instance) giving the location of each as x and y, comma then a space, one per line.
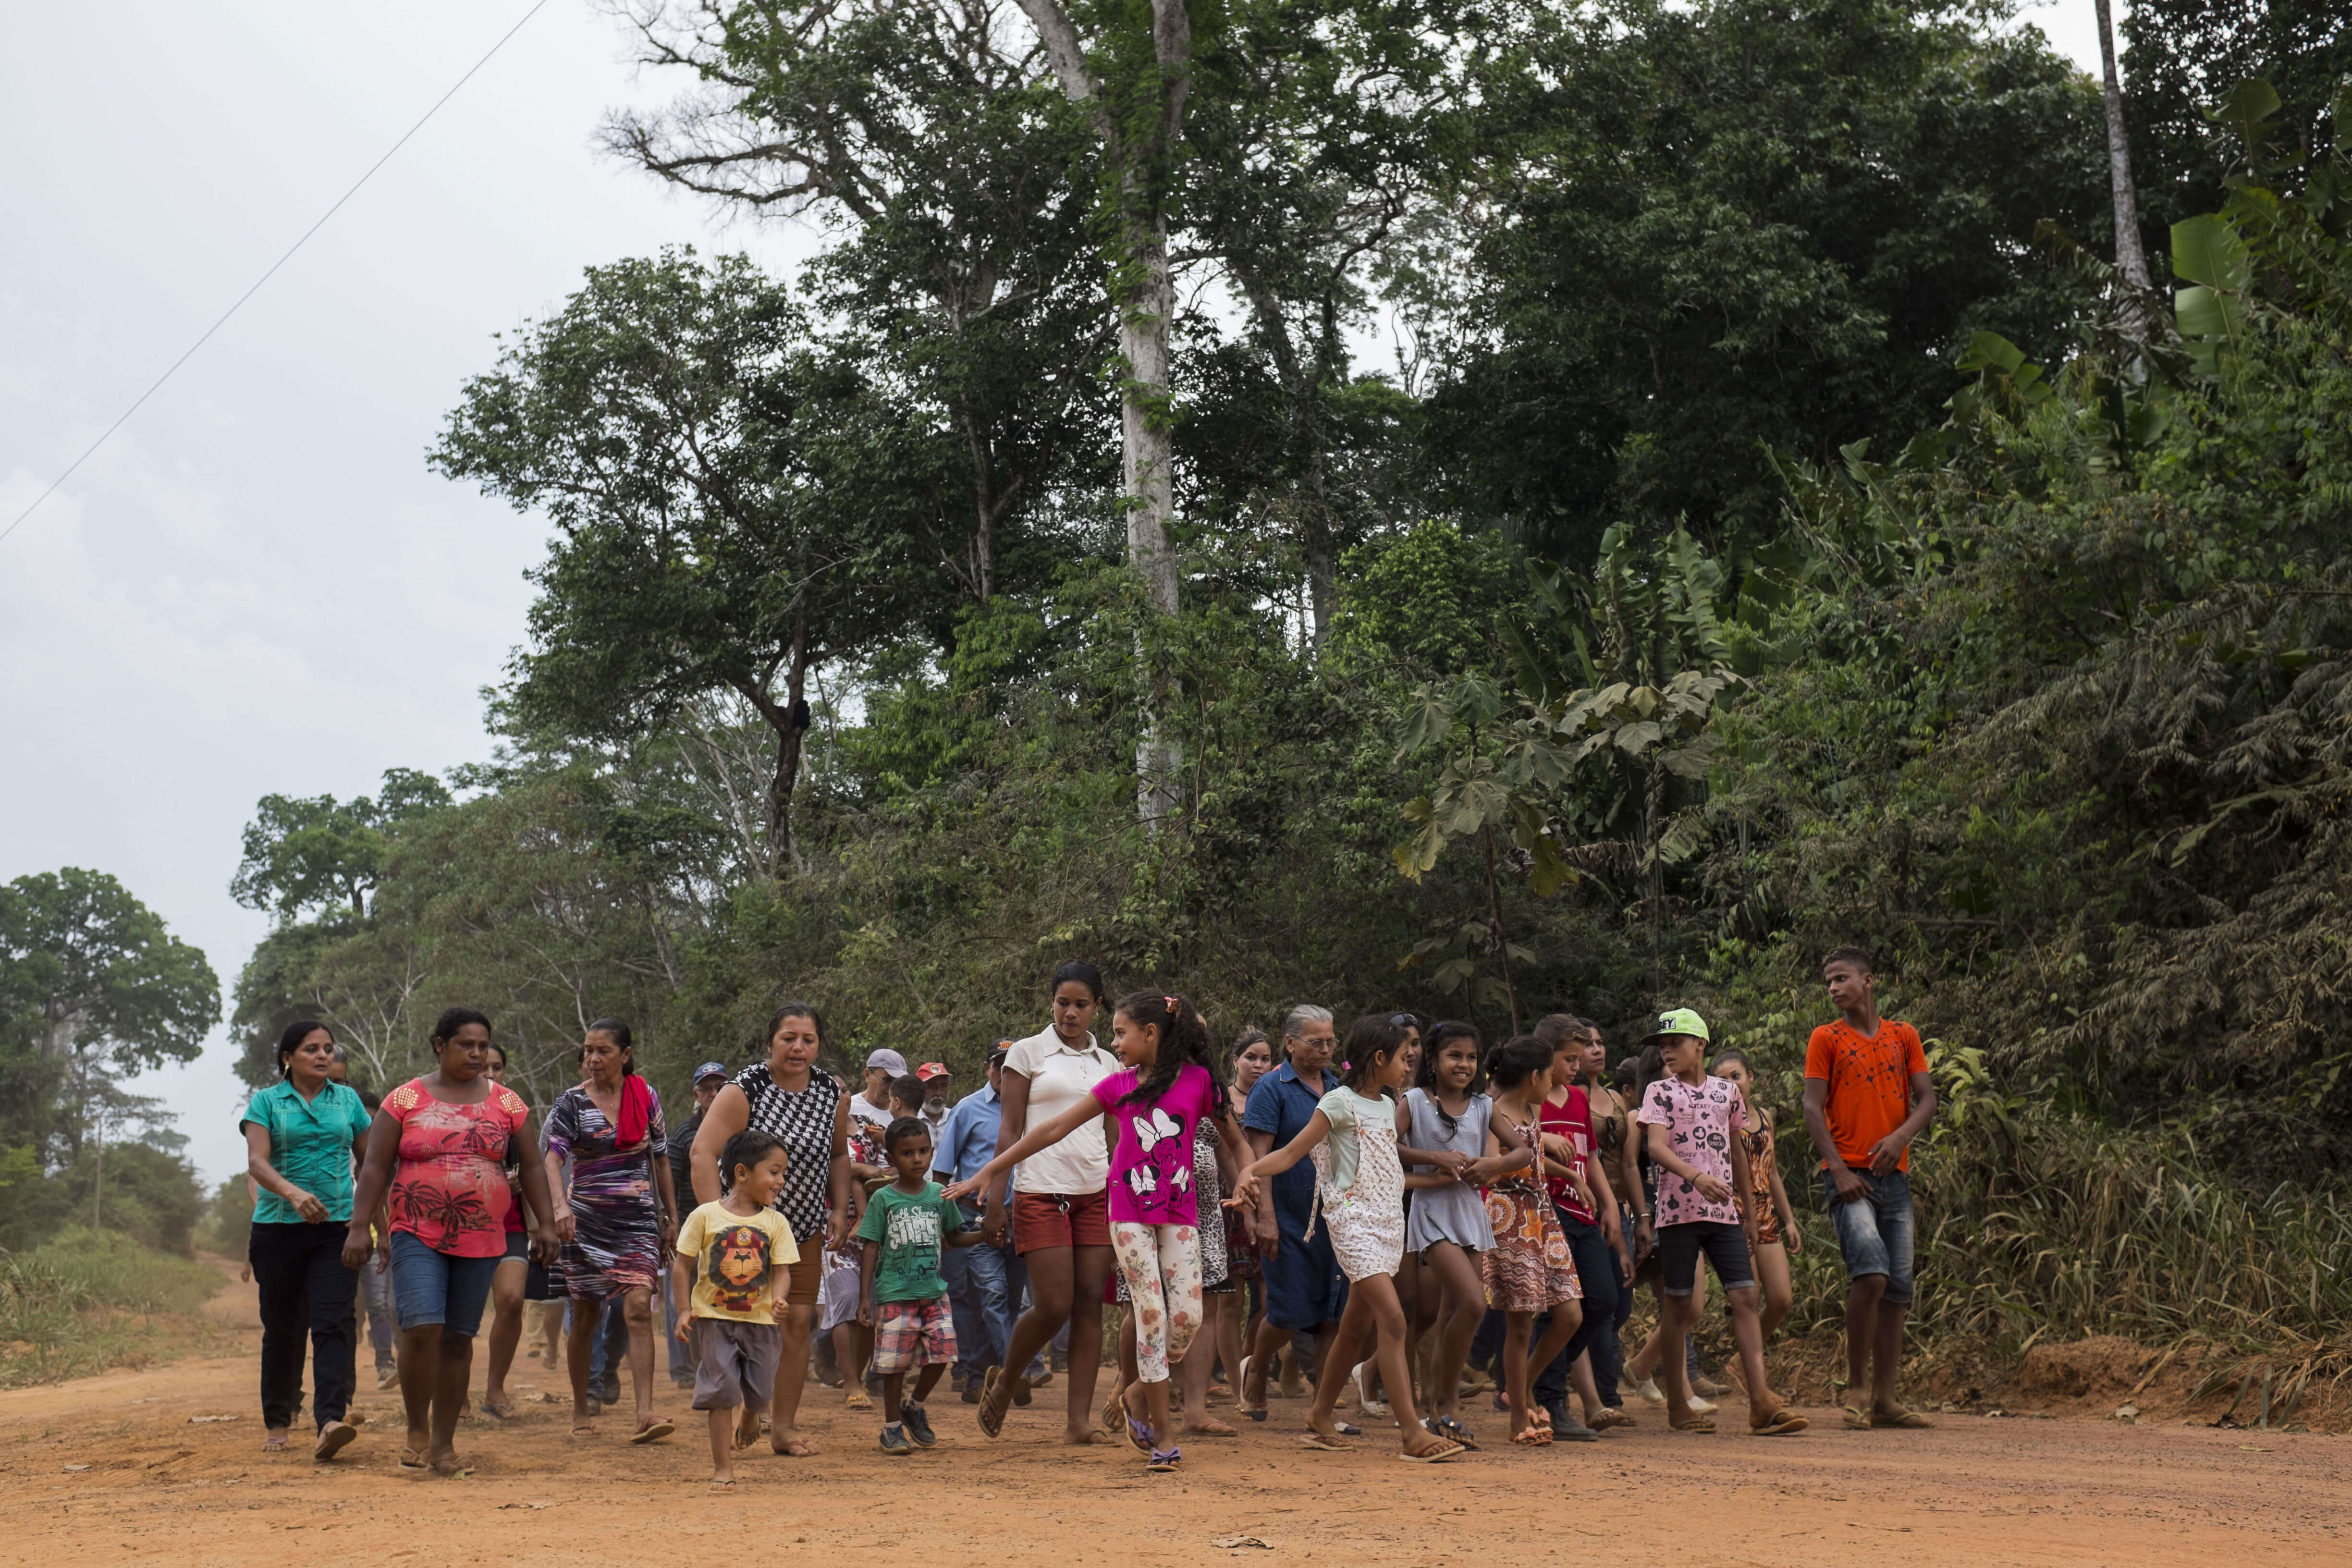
913, 1334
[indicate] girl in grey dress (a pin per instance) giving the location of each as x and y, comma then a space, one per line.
1446, 1146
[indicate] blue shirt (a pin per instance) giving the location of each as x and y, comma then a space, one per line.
1283, 1103
311, 1144
967, 1139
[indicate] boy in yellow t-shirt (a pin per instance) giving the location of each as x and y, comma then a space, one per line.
727, 1271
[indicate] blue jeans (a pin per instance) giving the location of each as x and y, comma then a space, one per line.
1874, 1231
1596, 1273
439, 1289
375, 1284
610, 1345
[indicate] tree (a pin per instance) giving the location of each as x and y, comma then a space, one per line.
698, 458
317, 853
107, 990
964, 281
1693, 235
2131, 257
2182, 57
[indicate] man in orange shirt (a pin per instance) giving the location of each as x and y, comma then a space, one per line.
1867, 1095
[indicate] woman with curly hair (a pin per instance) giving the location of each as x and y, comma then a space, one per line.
437, 1155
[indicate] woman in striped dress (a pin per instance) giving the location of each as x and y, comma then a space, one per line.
608, 1130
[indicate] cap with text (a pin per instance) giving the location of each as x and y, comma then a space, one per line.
1681, 1021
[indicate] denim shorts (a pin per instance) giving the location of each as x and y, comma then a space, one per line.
1875, 1230
1725, 1245
430, 1287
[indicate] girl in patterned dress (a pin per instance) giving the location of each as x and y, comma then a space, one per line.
1360, 1193
1530, 1270
1777, 1235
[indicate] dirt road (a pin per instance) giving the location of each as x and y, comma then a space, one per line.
111, 1469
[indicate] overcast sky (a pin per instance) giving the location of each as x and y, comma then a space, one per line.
256, 585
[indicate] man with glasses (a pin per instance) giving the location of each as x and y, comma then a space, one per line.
1305, 1290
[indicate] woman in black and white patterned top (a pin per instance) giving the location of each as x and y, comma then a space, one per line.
807, 1108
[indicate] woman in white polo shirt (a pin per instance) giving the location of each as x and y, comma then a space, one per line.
1060, 1212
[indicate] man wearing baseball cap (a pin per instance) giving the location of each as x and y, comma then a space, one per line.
936, 1080
708, 1080
882, 1069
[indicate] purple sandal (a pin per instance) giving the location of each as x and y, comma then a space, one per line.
1165, 1461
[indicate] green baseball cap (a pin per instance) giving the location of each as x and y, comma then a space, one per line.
1681, 1021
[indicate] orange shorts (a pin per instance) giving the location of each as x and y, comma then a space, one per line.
1041, 1220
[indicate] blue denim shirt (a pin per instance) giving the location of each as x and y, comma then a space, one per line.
967, 1140
1283, 1103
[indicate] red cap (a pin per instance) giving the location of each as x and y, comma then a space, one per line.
931, 1071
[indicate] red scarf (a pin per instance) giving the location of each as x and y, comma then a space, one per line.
636, 1112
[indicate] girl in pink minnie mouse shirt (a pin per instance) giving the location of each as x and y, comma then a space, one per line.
1158, 1104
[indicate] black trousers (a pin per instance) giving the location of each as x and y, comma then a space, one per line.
1596, 1273
305, 1289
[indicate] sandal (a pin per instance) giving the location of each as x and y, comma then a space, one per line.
274, 1442
1161, 1463
333, 1438
1532, 1437
1437, 1456
992, 1408
1780, 1424
1115, 1417
1612, 1415
1450, 1427
410, 1459
1857, 1419
1907, 1418
1695, 1424
655, 1430
1318, 1441
1140, 1436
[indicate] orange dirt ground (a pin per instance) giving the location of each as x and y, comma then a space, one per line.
111, 1468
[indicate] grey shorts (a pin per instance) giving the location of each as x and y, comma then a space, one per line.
737, 1364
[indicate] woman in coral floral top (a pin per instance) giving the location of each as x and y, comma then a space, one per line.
436, 1155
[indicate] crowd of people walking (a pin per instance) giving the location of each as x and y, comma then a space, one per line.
1397, 1219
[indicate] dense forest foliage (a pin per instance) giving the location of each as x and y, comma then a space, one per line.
1657, 491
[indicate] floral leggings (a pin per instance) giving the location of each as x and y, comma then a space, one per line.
1161, 1266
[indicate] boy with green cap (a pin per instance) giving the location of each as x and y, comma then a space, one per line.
1694, 1125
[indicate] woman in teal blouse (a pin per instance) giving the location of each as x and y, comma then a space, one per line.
300, 1135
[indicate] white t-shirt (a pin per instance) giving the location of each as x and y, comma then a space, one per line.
1058, 1078
861, 1110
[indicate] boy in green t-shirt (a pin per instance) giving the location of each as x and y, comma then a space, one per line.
729, 1273
901, 1291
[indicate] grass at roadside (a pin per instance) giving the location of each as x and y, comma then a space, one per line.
90, 1300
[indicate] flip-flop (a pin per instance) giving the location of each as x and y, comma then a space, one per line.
1909, 1418
1318, 1441
1114, 1418
275, 1442
1531, 1437
1212, 1429
990, 1411
1139, 1436
505, 1411
1256, 1415
1611, 1415
334, 1439
1451, 1428
1695, 1424
584, 1429
807, 1449
1161, 1463
1783, 1421
410, 1459
1436, 1455
655, 1431
1857, 1419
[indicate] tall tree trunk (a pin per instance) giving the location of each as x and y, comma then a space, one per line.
2131, 259
1143, 294
786, 720
1495, 918
1148, 457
